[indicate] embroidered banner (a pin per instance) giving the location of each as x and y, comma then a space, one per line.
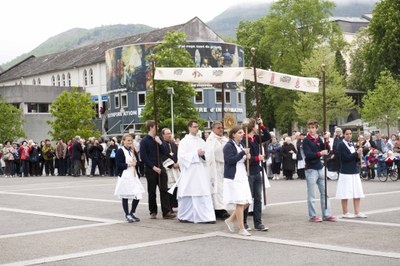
283, 81
237, 74
200, 75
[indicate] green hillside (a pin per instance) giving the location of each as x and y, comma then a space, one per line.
77, 37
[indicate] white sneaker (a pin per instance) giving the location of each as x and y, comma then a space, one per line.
244, 232
361, 215
348, 215
274, 178
230, 225
277, 178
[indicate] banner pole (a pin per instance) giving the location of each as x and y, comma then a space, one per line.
253, 53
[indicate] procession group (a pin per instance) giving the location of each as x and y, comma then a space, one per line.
205, 178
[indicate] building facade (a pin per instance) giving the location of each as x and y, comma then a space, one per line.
85, 67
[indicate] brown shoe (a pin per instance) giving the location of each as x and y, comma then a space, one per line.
169, 215
153, 215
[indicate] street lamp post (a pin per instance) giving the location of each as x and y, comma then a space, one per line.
171, 92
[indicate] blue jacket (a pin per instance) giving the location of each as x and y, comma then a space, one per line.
254, 147
348, 161
312, 150
231, 157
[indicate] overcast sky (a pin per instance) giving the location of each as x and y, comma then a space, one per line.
27, 23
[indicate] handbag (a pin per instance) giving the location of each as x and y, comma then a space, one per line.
294, 156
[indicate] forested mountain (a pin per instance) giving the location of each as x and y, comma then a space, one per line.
224, 24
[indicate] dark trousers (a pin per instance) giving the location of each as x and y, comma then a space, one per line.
49, 167
35, 167
112, 169
97, 162
76, 167
301, 173
152, 182
24, 167
9, 170
68, 170
62, 166
255, 182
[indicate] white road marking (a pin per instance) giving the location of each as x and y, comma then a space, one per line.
75, 217
62, 229
295, 243
363, 221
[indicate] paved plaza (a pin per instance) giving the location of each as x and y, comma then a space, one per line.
78, 221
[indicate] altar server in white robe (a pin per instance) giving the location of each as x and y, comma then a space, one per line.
194, 194
215, 161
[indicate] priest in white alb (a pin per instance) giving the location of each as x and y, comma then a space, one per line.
215, 161
194, 193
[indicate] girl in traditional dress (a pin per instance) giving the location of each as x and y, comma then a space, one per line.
128, 184
236, 184
349, 184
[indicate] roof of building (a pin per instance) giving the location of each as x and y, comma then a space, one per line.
1, 69
195, 29
350, 19
367, 16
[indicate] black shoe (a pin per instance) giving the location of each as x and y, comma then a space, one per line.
135, 218
261, 227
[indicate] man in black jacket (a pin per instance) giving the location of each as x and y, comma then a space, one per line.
155, 172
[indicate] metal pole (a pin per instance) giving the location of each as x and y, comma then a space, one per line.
153, 70
253, 52
172, 113
324, 132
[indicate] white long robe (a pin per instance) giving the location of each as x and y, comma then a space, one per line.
215, 162
194, 193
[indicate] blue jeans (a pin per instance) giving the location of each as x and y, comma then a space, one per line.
255, 182
316, 177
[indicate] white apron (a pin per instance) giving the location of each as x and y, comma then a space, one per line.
128, 184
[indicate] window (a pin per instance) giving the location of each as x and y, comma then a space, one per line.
116, 101
38, 107
124, 100
63, 80
53, 81
85, 77
199, 97
239, 98
58, 80
218, 96
34, 82
39, 81
91, 76
141, 98
69, 79
227, 97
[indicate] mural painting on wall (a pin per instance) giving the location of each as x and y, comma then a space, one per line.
127, 67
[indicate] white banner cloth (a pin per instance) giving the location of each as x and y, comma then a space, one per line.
237, 74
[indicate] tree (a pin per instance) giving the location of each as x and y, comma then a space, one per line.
356, 79
284, 38
382, 105
11, 122
383, 50
309, 105
169, 54
73, 114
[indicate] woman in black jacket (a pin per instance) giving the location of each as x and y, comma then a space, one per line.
288, 160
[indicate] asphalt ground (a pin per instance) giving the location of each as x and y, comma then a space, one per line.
78, 221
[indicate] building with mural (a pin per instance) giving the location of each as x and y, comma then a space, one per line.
128, 81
